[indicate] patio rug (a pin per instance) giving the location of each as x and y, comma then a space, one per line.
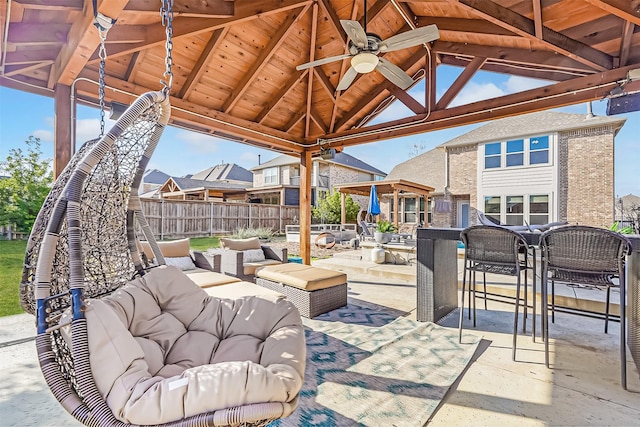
368, 367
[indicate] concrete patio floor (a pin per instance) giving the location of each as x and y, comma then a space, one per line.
582, 388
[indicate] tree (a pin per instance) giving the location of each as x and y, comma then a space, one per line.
328, 209
25, 185
416, 150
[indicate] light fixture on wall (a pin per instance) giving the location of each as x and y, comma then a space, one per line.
117, 110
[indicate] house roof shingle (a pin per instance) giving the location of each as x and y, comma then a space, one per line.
340, 158
531, 124
224, 171
427, 168
190, 183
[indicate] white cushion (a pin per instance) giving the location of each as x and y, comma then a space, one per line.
253, 255
182, 262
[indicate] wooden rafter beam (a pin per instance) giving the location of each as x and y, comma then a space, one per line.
625, 43
312, 53
82, 41
185, 26
406, 99
467, 26
525, 27
295, 78
12, 70
317, 119
30, 56
262, 60
571, 92
621, 8
537, 18
325, 83
466, 75
133, 66
514, 70
528, 57
198, 68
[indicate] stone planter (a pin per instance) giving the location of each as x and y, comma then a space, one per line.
380, 237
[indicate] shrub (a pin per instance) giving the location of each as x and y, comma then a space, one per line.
263, 233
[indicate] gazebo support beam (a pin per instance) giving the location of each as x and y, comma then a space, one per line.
62, 128
305, 207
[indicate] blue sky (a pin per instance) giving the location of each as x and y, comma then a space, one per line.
181, 152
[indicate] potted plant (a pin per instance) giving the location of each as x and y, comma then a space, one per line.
384, 230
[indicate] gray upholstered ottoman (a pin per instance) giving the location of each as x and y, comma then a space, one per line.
312, 290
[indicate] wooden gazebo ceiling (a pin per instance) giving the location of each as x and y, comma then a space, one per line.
235, 62
385, 187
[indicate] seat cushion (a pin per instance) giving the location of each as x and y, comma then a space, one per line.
240, 244
175, 248
249, 268
241, 289
161, 349
302, 276
205, 278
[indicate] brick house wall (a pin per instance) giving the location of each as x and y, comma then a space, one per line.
463, 184
586, 176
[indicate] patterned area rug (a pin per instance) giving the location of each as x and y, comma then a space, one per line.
368, 367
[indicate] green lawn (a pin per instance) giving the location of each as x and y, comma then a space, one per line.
12, 259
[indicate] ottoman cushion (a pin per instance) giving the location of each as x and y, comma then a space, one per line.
302, 276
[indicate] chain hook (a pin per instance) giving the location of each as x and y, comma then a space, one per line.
103, 24
166, 13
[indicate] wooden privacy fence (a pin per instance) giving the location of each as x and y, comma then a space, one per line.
171, 219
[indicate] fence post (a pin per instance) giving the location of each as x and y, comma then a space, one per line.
250, 225
161, 219
280, 222
210, 219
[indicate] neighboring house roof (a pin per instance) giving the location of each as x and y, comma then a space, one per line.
224, 172
155, 176
427, 168
630, 200
341, 158
185, 184
541, 122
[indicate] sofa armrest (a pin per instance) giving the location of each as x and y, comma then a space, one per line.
208, 262
277, 254
232, 262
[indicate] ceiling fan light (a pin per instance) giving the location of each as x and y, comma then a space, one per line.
364, 62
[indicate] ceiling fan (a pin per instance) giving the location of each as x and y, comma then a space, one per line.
364, 49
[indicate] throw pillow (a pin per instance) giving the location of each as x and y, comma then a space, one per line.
253, 255
181, 262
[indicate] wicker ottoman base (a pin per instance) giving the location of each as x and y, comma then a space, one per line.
310, 304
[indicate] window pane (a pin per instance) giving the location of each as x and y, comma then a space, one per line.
492, 162
538, 157
514, 219
515, 146
515, 204
515, 159
539, 143
538, 219
492, 208
494, 148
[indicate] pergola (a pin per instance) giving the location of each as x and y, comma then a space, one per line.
394, 187
235, 73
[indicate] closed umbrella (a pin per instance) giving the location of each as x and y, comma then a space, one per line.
374, 204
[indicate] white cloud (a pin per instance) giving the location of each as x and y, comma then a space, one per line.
198, 142
87, 129
473, 92
516, 84
44, 135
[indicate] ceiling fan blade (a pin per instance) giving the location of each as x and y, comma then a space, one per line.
410, 38
322, 61
347, 79
394, 74
355, 32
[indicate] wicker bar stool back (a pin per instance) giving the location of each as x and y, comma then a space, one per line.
587, 256
496, 250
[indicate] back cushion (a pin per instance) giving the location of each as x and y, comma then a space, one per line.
175, 248
240, 244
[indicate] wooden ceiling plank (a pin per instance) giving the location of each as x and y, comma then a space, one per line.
37, 34
203, 59
537, 18
184, 26
261, 61
334, 19
466, 75
12, 70
406, 99
533, 57
30, 56
294, 120
525, 27
469, 26
620, 8
312, 52
64, 5
296, 77
133, 66
625, 43
82, 41
325, 83
189, 8
581, 89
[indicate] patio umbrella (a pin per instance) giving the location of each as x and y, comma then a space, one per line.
374, 204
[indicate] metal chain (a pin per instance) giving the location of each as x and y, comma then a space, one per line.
102, 53
166, 12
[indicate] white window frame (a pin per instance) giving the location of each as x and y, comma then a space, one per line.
526, 153
270, 176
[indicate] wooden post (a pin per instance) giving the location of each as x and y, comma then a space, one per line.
397, 208
343, 208
62, 128
305, 207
